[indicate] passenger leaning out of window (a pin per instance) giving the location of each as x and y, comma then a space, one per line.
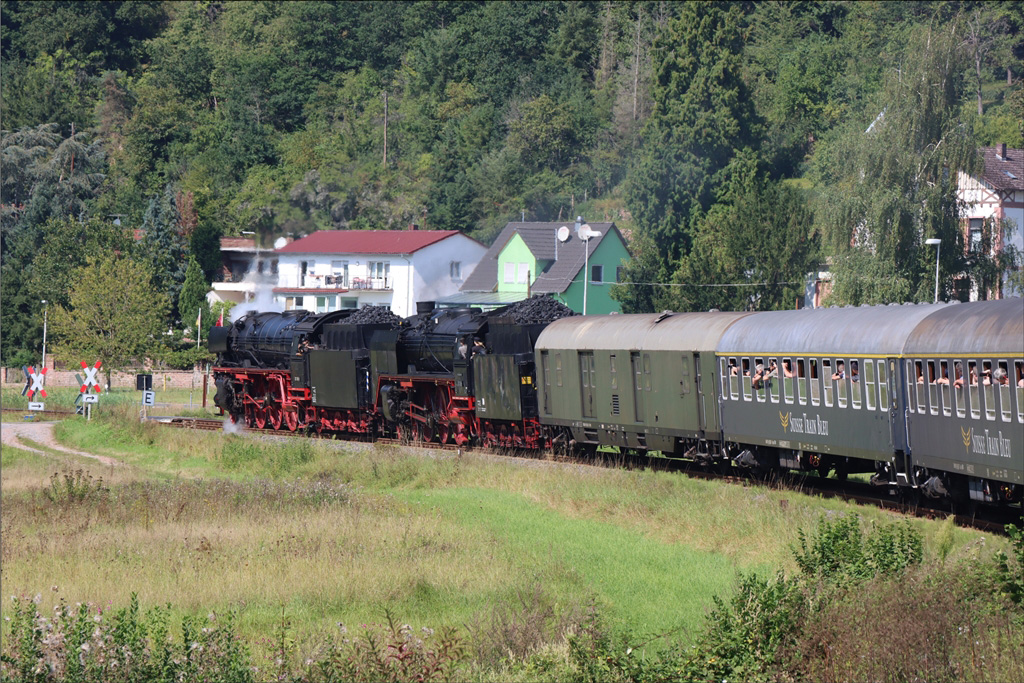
840, 372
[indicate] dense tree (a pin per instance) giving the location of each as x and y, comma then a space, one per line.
702, 115
116, 313
752, 250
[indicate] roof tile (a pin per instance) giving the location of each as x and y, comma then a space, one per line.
366, 241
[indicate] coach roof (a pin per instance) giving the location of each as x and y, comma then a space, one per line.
645, 332
982, 327
852, 330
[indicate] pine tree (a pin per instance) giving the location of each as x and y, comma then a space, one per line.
166, 246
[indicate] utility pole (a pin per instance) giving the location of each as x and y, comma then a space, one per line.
385, 128
45, 309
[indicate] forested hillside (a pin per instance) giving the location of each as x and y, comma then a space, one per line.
729, 140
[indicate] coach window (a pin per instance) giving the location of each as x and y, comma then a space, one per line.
788, 376
558, 369
911, 387
1001, 378
759, 379
973, 396
647, 372
611, 372
933, 389
801, 381
883, 386
734, 378
943, 382
843, 377
774, 375
869, 385
826, 377
959, 392
814, 384
855, 384
745, 380
723, 373
988, 388
1018, 380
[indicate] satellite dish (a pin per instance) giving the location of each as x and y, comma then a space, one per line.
563, 233
586, 232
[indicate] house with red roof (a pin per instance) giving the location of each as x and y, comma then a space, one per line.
334, 269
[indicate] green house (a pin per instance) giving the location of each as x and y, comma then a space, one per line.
552, 259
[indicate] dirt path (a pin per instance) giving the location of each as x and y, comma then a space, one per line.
42, 433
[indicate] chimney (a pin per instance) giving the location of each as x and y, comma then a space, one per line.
414, 226
579, 223
1001, 150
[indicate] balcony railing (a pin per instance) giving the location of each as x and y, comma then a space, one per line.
336, 282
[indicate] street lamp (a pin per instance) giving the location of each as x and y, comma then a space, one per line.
938, 247
585, 234
45, 308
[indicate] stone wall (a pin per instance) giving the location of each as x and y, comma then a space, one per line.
64, 377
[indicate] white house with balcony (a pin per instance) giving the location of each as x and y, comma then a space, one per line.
335, 269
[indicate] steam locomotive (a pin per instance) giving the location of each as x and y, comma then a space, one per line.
927, 398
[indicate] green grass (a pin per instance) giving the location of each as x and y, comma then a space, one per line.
326, 532
648, 585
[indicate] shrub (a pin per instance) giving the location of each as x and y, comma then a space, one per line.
82, 644
385, 653
1010, 568
744, 635
838, 549
73, 487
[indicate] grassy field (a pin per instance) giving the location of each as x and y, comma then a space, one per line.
318, 533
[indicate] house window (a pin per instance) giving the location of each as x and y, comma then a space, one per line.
292, 303
380, 273
306, 269
524, 273
324, 304
974, 235
339, 273
597, 274
455, 270
510, 273
349, 303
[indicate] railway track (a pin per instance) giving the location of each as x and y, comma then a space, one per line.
30, 413
857, 492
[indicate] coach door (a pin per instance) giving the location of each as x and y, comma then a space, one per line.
702, 417
587, 379
636, 365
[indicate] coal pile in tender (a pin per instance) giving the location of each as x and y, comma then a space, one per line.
374, 315
537, 309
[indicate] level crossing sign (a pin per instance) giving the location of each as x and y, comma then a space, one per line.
34, 381
91, 382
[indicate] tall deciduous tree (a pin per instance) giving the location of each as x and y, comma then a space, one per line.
891, 187
116, 315
752, 250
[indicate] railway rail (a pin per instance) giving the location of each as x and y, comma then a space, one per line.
857, 492
31, 413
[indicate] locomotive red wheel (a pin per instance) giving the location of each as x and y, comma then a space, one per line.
443, 430
259, 418
291, 420
274, 417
